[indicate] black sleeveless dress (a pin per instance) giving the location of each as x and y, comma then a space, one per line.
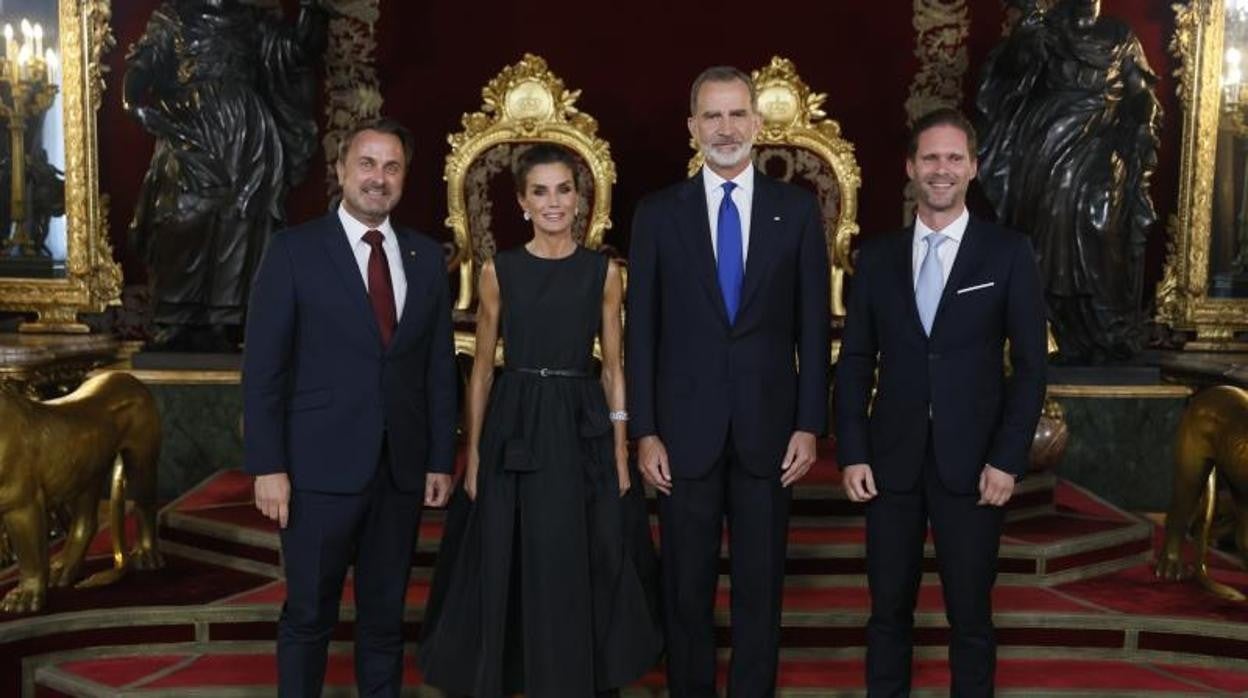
547, 584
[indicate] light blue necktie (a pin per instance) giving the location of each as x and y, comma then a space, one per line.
931, 281
731, 267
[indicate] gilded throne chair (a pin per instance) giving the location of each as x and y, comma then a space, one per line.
799, 144
523, 105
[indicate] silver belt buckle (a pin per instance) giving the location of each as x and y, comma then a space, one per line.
544, 372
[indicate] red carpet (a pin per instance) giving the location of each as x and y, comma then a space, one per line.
183, 582
1077, 607
1019, 676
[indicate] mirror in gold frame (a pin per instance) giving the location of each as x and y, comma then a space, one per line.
1205, 287
55, 258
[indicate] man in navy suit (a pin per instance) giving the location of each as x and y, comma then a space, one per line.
728, 299
349, 408
947, 433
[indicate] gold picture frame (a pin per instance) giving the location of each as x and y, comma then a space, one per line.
92, 279
1184, 301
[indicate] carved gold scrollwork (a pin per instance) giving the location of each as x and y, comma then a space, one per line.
1182, 47
102, 41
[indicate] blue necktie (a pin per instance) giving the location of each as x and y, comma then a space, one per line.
728, 244
931, 281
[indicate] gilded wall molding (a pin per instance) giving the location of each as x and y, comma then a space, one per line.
942, 27
1183, 301
102, 41
352, 88
1182, 47
92, 278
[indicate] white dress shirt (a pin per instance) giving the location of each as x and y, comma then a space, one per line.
948, 250
394, 256
742, 196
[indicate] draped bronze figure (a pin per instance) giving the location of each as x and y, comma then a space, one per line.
227, 89
1069, 142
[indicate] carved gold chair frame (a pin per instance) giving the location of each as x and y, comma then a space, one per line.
92, 280
1184, 299
525, 103
798, 134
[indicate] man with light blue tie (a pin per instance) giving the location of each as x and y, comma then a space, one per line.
947, 432
727, 298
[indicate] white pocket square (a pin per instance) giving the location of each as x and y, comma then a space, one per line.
976, 287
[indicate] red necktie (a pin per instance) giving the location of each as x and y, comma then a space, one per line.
380, 289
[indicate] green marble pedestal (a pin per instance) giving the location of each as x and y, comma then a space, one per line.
1121, 444
201, 415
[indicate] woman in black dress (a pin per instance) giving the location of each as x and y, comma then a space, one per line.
545, 582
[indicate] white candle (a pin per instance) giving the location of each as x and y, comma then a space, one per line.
10, 49
49, 59
23, 51
23, 60
38, 40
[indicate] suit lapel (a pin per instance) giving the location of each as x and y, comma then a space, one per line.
903, 265
970, 256
415, 283
695, 232
343, 260
764, 212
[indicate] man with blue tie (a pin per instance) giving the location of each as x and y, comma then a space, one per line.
727, 381
349, 405
947, 433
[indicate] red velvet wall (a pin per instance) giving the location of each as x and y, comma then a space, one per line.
634, 62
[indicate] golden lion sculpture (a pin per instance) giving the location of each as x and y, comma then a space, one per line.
1212, 439
60, 454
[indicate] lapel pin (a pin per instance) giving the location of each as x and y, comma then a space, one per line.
776, 218
411, 253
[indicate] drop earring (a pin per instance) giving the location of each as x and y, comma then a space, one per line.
527, 216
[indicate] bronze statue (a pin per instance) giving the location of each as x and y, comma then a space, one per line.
45, 185
1212, 438
61, 453
228, 91
1069, 142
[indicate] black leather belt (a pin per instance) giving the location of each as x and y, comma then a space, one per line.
551, 372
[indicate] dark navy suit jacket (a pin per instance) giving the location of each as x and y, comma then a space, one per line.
978, 415
692, 376
319, 391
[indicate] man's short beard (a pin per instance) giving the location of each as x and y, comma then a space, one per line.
720, 159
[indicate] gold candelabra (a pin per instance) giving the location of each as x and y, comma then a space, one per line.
27, 88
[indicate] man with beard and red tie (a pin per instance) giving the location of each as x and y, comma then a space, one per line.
947, 432
349, 391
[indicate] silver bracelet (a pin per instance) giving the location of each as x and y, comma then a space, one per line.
618, 416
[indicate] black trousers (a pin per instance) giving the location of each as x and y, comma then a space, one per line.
692, 517
375, 531
967, 537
